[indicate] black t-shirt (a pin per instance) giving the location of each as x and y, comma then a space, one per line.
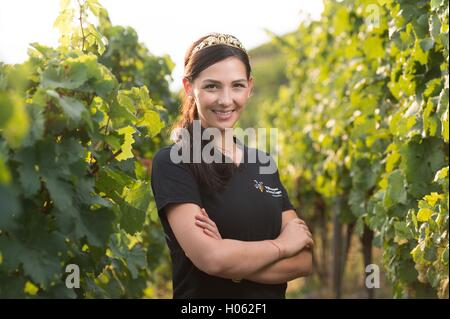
248, 209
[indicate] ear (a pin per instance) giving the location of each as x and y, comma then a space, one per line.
250, 86
187, 86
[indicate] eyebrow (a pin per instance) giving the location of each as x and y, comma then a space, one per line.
215, 81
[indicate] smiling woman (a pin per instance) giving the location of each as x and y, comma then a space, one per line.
231, 230
217, 81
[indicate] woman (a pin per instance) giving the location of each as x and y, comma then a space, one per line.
232, 231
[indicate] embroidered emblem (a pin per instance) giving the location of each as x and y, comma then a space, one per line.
259, 185
274, 191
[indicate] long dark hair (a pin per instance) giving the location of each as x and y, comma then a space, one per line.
211, 177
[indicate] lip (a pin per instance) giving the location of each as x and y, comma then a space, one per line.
223, 115
223, 111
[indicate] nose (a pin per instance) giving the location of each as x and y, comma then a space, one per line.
225, 97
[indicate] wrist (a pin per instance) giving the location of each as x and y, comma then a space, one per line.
280, 247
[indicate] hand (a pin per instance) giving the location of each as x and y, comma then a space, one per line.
294, 237
209, 227
308, 232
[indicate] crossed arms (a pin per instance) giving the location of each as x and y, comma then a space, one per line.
285, 258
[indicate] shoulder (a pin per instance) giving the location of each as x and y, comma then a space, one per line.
166, 160
168, 155
162, 155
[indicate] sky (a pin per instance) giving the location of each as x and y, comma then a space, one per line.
164, 26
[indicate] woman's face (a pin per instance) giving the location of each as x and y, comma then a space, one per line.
220, 92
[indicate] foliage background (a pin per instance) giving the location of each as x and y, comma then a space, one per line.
360, 99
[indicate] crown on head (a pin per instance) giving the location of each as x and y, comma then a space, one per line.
219, 38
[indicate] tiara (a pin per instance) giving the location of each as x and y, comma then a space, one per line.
219, 38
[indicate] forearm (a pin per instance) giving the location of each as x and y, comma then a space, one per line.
238, 259
284, 270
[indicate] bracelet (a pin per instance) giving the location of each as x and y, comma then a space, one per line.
278, 247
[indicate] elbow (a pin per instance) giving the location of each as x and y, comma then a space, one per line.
308, 271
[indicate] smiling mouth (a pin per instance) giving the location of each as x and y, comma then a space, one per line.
225, 113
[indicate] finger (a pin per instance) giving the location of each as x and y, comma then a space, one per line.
308, 233
210, 221
206, 225
302, 223
201, 217
310, 243
215, 234
204, 211
305, 228
206, 220
210, 233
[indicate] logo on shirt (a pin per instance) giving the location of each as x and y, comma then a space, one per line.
259, 185
274, 191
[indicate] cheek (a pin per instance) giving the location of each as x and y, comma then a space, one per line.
205, 100
241, 100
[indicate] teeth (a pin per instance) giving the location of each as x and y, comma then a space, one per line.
223, 113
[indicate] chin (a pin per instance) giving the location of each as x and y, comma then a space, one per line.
222, 126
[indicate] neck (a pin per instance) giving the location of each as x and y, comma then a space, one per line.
226, 142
